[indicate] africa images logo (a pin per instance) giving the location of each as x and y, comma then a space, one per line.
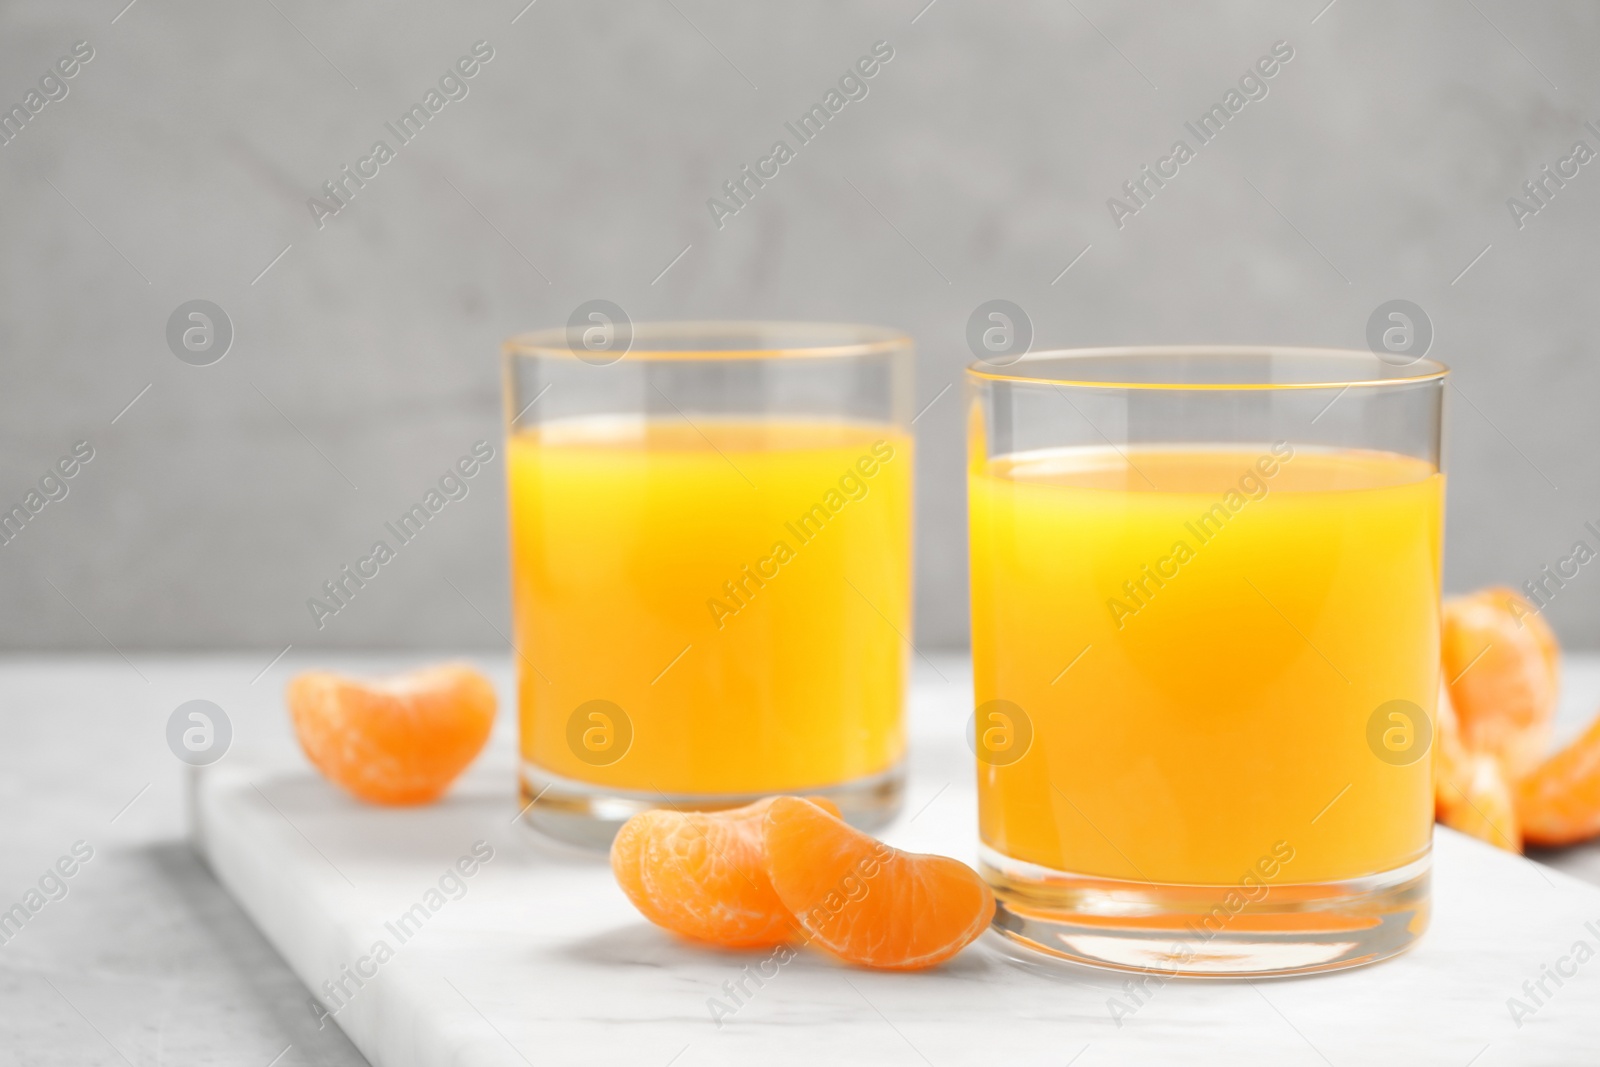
1253, 486
453, 485
852, 86
1142, 188
453, 85
852, 486
53, 87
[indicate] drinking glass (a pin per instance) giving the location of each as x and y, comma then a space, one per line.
711, 566
1205, 638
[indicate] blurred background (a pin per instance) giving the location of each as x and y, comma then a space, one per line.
177, 161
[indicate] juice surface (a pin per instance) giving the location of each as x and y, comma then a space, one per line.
739, 589
1220, 700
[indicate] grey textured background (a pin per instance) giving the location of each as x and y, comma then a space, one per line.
578, 167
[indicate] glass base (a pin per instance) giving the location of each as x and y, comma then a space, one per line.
590, 815
1208, 931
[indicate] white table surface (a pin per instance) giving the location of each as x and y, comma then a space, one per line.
147, 960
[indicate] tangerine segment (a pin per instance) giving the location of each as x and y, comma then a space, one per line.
1559, 803
865, 902
627, 848
396, 740
1501, 662
1480, 803
1451, 754
703, 875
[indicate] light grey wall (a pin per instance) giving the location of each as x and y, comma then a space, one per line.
579, 166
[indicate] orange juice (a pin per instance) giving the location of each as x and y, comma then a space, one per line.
1199, 638
738, 593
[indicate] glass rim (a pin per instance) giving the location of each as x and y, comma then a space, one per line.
1420, 370
736, 339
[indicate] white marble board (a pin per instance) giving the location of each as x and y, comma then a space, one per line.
542, 960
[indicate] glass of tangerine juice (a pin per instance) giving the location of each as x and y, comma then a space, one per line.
1205, 636
711, 566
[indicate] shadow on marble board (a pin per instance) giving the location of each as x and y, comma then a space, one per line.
639, 944
227, 947
1579, 861
345, 829
148, 960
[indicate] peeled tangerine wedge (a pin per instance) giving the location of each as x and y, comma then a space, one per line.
396, 740
1480, 802
1451, 754
1559, 803
865, 902
1501, 662
1471, 792
786, 870
704, 874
